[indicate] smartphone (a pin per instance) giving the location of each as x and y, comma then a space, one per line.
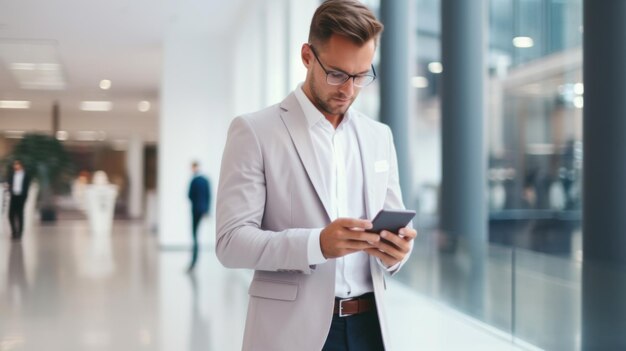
391, 220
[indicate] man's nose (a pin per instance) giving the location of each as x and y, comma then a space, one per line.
347, 87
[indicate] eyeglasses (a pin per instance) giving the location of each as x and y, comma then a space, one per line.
338, 77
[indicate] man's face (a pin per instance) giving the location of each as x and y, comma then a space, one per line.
17, 166
337, 54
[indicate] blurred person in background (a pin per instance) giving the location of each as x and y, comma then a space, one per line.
18, 183
200, 197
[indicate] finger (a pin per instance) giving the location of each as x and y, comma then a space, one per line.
390, 249
384, 258
362, 236
354, 223
356, 245
396, 240
408, 233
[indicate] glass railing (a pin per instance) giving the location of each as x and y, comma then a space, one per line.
527, 285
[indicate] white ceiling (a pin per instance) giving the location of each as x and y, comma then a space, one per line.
119, 40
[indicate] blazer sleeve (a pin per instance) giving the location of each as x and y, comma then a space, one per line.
241, 242
393, 199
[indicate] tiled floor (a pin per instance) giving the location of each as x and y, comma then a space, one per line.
63, 288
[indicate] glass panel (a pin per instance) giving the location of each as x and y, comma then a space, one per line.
529, 283
535, 164
547, 300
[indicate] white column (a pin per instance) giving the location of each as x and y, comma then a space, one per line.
195, 114
266, 64
300, 15
135, 168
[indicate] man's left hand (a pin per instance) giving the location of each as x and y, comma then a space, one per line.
395, 246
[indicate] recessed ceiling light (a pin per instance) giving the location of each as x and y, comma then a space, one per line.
15, 104
435, 67
14, 134
25, 66
579, 102
62, 135
579, 88
87, 135
419, 82
96, 106
143, 106
48, 66
523, 42
105, 84
119, 144
34, 63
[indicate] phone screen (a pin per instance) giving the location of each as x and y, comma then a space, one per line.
391, 220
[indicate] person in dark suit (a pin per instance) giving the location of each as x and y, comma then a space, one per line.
200, 197
19, 182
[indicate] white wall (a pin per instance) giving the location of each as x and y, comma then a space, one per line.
195, 110
267, 64
207, 81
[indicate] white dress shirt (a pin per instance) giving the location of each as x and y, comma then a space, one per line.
339, 160
18, 179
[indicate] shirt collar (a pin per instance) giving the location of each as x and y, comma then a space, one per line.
312, 114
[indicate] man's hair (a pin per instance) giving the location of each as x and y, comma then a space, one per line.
347, 18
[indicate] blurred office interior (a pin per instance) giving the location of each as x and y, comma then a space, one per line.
486, 101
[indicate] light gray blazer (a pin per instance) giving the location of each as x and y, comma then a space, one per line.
270, 195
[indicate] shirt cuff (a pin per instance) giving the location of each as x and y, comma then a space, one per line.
388, 269
314, 250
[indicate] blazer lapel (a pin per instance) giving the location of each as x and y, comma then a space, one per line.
366, 162
293, 117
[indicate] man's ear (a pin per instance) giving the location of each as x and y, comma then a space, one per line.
306, 55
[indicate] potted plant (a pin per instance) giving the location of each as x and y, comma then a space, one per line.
49, 163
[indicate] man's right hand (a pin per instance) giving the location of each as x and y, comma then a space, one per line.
346, 235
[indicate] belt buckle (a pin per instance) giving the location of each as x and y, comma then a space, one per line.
341, 314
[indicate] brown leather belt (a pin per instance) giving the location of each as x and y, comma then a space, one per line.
356, 305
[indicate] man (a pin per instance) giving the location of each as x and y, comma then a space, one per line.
298, 181
19, 183
200, 196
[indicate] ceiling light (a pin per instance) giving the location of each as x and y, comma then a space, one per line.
14, 134
419, 82
33, 63
86, 135
23, 66
15, 104
579, 88
48, 66
579, 102
143, 106
119, 145
435, 67
62, 135
96, 106
105, 84
523, 42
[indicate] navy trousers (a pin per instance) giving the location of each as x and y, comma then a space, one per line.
16, 215
195, 223
358, 332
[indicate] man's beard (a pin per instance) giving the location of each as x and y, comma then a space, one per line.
324, 105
